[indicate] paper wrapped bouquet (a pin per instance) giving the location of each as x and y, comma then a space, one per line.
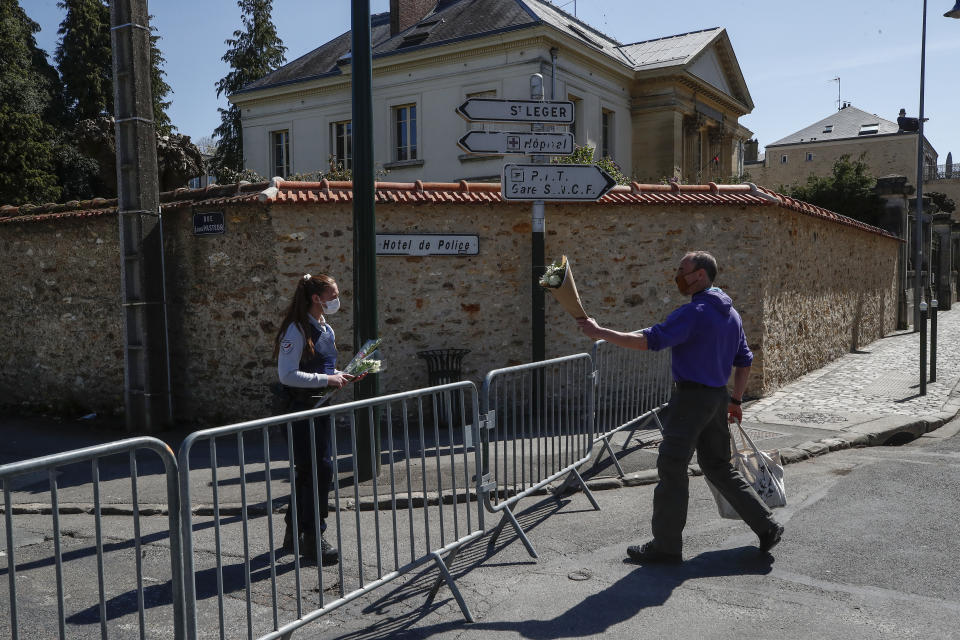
558, 280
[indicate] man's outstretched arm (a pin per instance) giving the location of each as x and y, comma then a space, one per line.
634, 340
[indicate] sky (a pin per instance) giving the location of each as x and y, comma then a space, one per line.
789, 52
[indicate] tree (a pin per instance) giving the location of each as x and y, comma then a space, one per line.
849, 190
944, 202
584, 155
253, 53
84, 58
26, 158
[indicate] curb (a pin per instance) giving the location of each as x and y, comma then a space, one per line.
883, 431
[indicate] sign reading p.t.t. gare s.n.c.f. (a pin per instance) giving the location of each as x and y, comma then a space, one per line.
585, 182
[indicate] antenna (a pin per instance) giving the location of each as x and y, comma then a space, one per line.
567, 4
839, 104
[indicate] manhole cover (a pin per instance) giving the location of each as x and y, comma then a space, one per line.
580, 575
761, 434
811, 418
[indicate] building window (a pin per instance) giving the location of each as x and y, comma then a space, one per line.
280, 146
783, 159
828, 128
606, 134
869, 129
809, 157
341, 138
405, 121
577, 114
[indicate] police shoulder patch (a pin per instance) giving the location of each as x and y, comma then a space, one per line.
286, 346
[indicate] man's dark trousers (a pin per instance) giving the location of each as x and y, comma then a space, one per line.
697, 420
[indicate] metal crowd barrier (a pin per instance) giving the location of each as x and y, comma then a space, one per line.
114, 577
632, 388
537, 425
384, 527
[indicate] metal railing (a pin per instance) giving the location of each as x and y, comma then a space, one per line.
940, 172
118, 579
632, 388
384, 527
537, 426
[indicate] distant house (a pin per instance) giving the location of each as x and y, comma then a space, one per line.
660, 108
886, 148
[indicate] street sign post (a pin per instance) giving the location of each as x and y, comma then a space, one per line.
523, 142
496, 110
584, 182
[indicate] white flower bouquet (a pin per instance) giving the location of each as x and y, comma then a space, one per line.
558, 280
360, 365
363, 364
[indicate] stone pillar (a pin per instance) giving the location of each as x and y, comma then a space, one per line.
692, 129
942, 229
893, 190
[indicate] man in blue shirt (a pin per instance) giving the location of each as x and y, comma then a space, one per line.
707, 339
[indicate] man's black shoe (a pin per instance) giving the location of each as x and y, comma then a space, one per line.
770, 539
647, 554
328, 553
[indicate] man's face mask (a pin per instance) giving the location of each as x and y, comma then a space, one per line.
682, 283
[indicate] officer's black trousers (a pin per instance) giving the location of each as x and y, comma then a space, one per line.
303, 480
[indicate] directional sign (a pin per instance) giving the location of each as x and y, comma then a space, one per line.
554, 182
541, 143
493, 110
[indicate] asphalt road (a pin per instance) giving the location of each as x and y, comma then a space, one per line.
870, 551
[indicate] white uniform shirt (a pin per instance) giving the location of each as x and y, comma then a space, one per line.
288, 362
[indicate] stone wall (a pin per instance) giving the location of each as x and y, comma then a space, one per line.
809, 289
61, 347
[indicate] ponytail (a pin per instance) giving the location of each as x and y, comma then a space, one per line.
298, 311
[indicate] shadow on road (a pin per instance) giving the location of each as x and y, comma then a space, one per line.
646, 586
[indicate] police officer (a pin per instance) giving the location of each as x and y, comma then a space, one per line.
707, 341
306, 353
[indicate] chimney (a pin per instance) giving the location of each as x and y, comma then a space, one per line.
406, 13
750, 150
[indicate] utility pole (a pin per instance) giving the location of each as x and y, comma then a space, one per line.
147, 396
365, 323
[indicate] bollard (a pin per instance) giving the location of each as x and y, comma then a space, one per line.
933, 341
923, 348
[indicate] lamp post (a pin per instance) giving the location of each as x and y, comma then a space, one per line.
918, 240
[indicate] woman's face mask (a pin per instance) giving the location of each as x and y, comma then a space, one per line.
330, 307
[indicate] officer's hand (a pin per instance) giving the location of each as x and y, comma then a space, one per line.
734, 413
338, 380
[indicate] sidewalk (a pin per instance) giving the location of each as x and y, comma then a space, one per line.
861, 399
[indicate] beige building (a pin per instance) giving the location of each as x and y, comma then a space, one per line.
660, 108
850, 131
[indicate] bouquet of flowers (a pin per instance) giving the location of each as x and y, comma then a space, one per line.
558, 280
360, 365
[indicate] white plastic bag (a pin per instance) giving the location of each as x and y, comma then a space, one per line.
761, 469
